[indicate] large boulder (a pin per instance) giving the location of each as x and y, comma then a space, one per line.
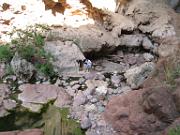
159, 101
89, 38
127, 113
6, 103
65, 56
137, 75
34, 96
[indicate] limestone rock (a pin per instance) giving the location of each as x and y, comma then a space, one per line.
88, 38
131, 40
23, 69
6, 103
65, 56
136, 76
33, 96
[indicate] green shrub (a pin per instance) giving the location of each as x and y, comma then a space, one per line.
174, 131
29, 45
5, 53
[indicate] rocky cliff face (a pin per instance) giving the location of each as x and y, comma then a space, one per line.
127, 92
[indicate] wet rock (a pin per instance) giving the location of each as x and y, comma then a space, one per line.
6, 103
24, 70
79, 99
159, 101
33, 96
136, 76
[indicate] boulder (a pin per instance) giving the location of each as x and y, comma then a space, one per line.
23, 69
137, 75
154, 18
159, 101
6, 103
88, 38
128, 115
33, 96
65, 56
131, 40
63, 99
80, 99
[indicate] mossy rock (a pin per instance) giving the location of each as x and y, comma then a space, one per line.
57, 123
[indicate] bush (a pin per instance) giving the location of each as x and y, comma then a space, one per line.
29, 46
174, 131
6, 53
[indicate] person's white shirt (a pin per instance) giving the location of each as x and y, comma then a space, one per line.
87, 64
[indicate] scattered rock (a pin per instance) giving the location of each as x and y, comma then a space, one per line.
85, 122
101, 90
79, 99
92, 84
148, 57
136, 76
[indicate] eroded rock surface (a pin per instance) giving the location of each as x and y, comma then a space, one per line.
22, 68
34, 96
136, 76
6, 103
65, 56
128, 116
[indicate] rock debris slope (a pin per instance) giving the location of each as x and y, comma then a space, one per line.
117, 96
